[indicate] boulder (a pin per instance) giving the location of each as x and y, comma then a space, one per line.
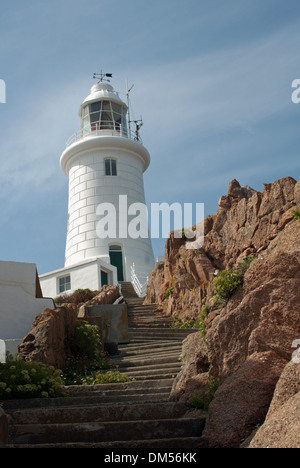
48, 341
281, 428
193, 377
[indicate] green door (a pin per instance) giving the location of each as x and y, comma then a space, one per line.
104, 278
116, 260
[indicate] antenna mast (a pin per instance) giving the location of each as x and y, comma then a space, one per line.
138, 123
102, 76
128, 105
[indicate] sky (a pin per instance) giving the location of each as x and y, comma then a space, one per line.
212, 82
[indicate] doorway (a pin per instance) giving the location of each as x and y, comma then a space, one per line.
104, 278
116, 259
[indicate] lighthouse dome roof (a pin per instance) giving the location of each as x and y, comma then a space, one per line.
103, 91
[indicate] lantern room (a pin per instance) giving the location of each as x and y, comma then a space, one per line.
103, 112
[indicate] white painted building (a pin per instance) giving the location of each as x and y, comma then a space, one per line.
21, 301
105, 163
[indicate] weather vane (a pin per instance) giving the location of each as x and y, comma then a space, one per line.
102, 76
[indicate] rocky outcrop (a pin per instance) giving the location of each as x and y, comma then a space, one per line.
108, 295
245, 224
281, 428
249, 340
49, 339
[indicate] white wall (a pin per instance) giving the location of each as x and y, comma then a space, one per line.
10, 346
88, 187
19, 304
83, 275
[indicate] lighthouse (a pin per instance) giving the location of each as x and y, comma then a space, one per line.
104, 162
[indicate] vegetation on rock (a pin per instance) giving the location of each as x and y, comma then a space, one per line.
204, 398
23, 379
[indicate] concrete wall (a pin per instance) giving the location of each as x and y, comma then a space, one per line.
113, 321
19, 304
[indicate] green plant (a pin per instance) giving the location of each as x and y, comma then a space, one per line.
27, 379
245, 263
227, 282
76, 370
189, 323
168, 292
87, 355
106, 378
204, 312
204, 398
85, 342
296, 214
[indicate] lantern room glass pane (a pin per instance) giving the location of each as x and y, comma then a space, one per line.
106, 116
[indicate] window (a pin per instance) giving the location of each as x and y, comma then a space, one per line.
64, 284
110, 167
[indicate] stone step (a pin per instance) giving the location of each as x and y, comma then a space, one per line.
149, 350
150, 345
186, 442
106, 431
147, 324
146, 373
120, 411
75, 390
146, 361
136, 414
164, 332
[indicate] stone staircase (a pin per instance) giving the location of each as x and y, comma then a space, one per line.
135, 414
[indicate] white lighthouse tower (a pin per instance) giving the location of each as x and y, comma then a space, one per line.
105, 163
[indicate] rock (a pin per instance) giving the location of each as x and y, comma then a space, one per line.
242, 401
108, 295
49, 338
3, 428
190, 379
156, 279
249, 341
262, 320
281, 428
297, 193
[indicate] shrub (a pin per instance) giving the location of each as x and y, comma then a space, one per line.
106, 378
227, 282
168, 292
85, 342
204, 398
87, 354
24, 379
296, 214
188, 323
76, 370
245, 263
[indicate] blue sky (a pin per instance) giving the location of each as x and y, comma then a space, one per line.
212, 81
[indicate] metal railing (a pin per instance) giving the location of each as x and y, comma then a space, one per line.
140, 288
103, 128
